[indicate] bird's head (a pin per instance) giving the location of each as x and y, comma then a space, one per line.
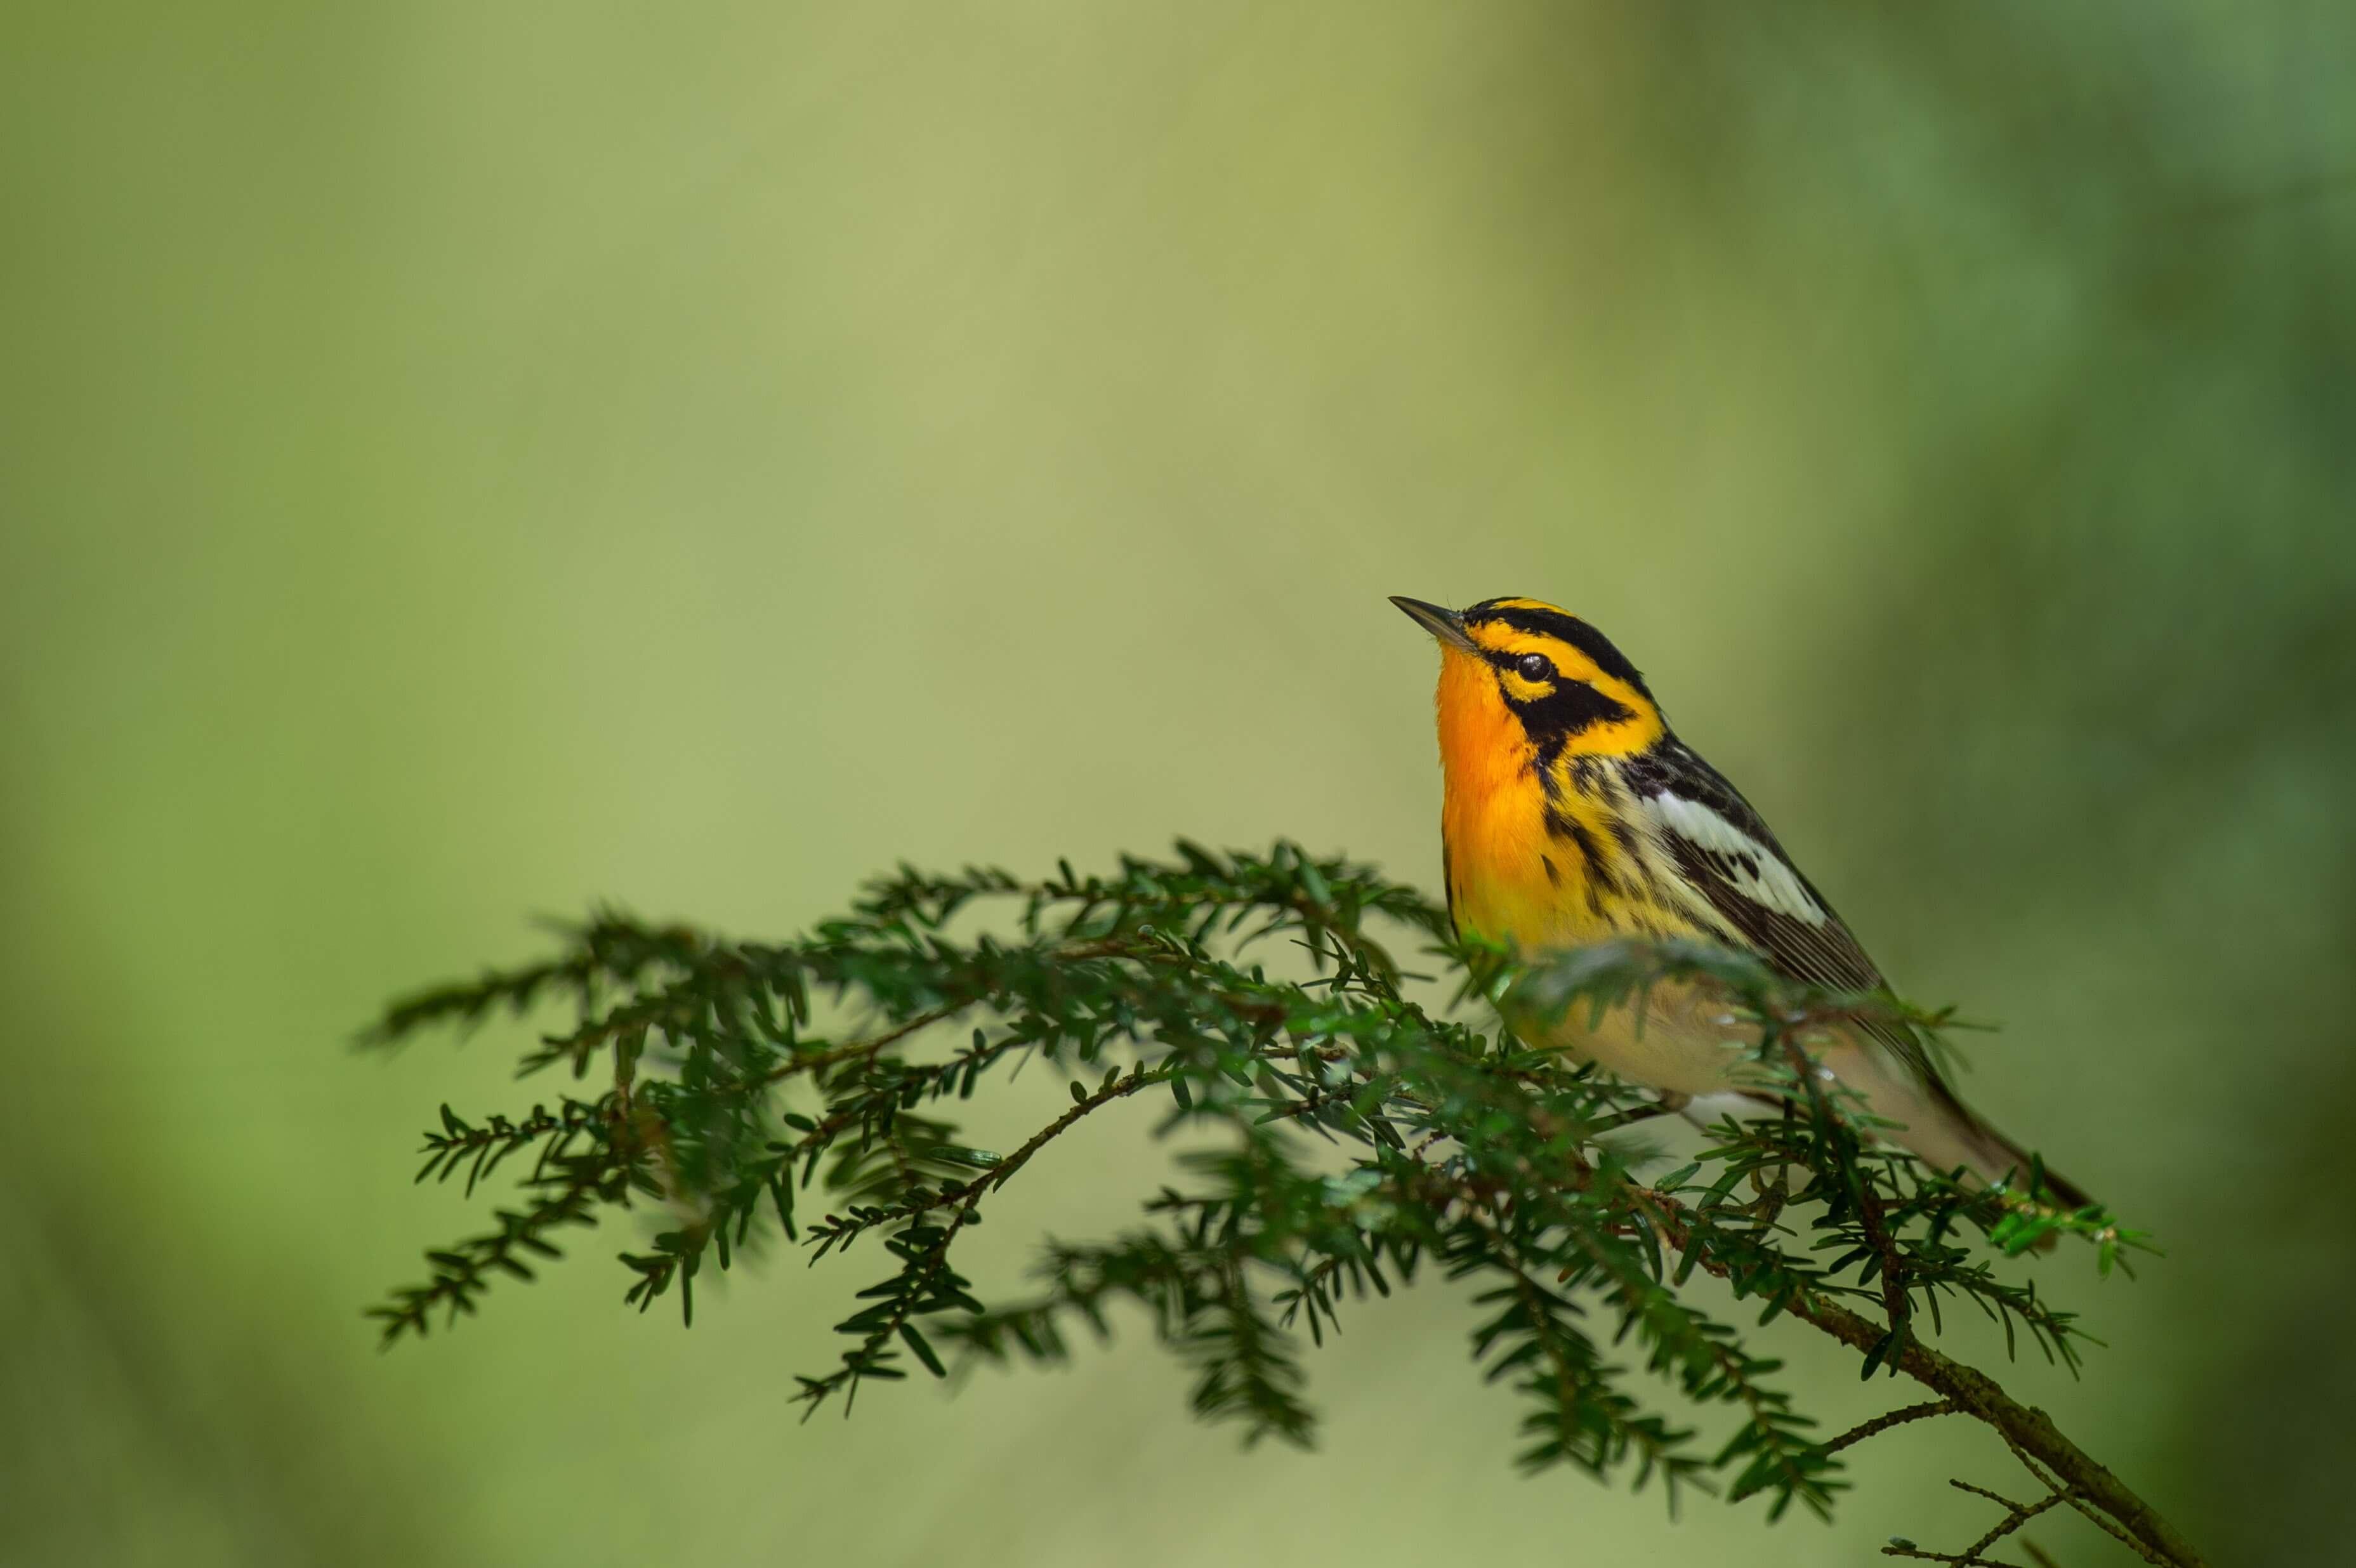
1519, 677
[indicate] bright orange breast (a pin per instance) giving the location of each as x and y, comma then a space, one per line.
1493, 814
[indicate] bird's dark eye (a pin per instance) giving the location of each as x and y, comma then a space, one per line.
1535, 667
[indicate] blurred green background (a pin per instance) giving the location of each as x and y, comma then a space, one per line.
462, 461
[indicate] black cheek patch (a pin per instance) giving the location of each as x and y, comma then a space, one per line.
1571, 707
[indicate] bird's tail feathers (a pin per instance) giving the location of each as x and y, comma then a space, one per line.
1997, 1157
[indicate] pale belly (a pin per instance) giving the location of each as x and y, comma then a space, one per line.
1690, 1042
1687, 1039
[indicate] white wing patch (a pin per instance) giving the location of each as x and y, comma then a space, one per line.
1749, 868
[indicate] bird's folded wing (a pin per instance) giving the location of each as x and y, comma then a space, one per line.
1728, 855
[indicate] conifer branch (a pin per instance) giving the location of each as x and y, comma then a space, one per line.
1361, 1132
1881, 1424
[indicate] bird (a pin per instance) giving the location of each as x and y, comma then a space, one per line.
1572, 814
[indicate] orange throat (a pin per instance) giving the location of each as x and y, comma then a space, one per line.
1493, 814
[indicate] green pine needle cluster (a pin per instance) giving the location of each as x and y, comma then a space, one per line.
1366, 1127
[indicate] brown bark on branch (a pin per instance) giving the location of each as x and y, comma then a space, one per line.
1976, 1393
2025, 1428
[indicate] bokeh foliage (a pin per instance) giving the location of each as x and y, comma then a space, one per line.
471, 459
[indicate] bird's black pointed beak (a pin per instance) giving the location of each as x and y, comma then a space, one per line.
1444, 624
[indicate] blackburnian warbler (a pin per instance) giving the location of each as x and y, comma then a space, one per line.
1572, 813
